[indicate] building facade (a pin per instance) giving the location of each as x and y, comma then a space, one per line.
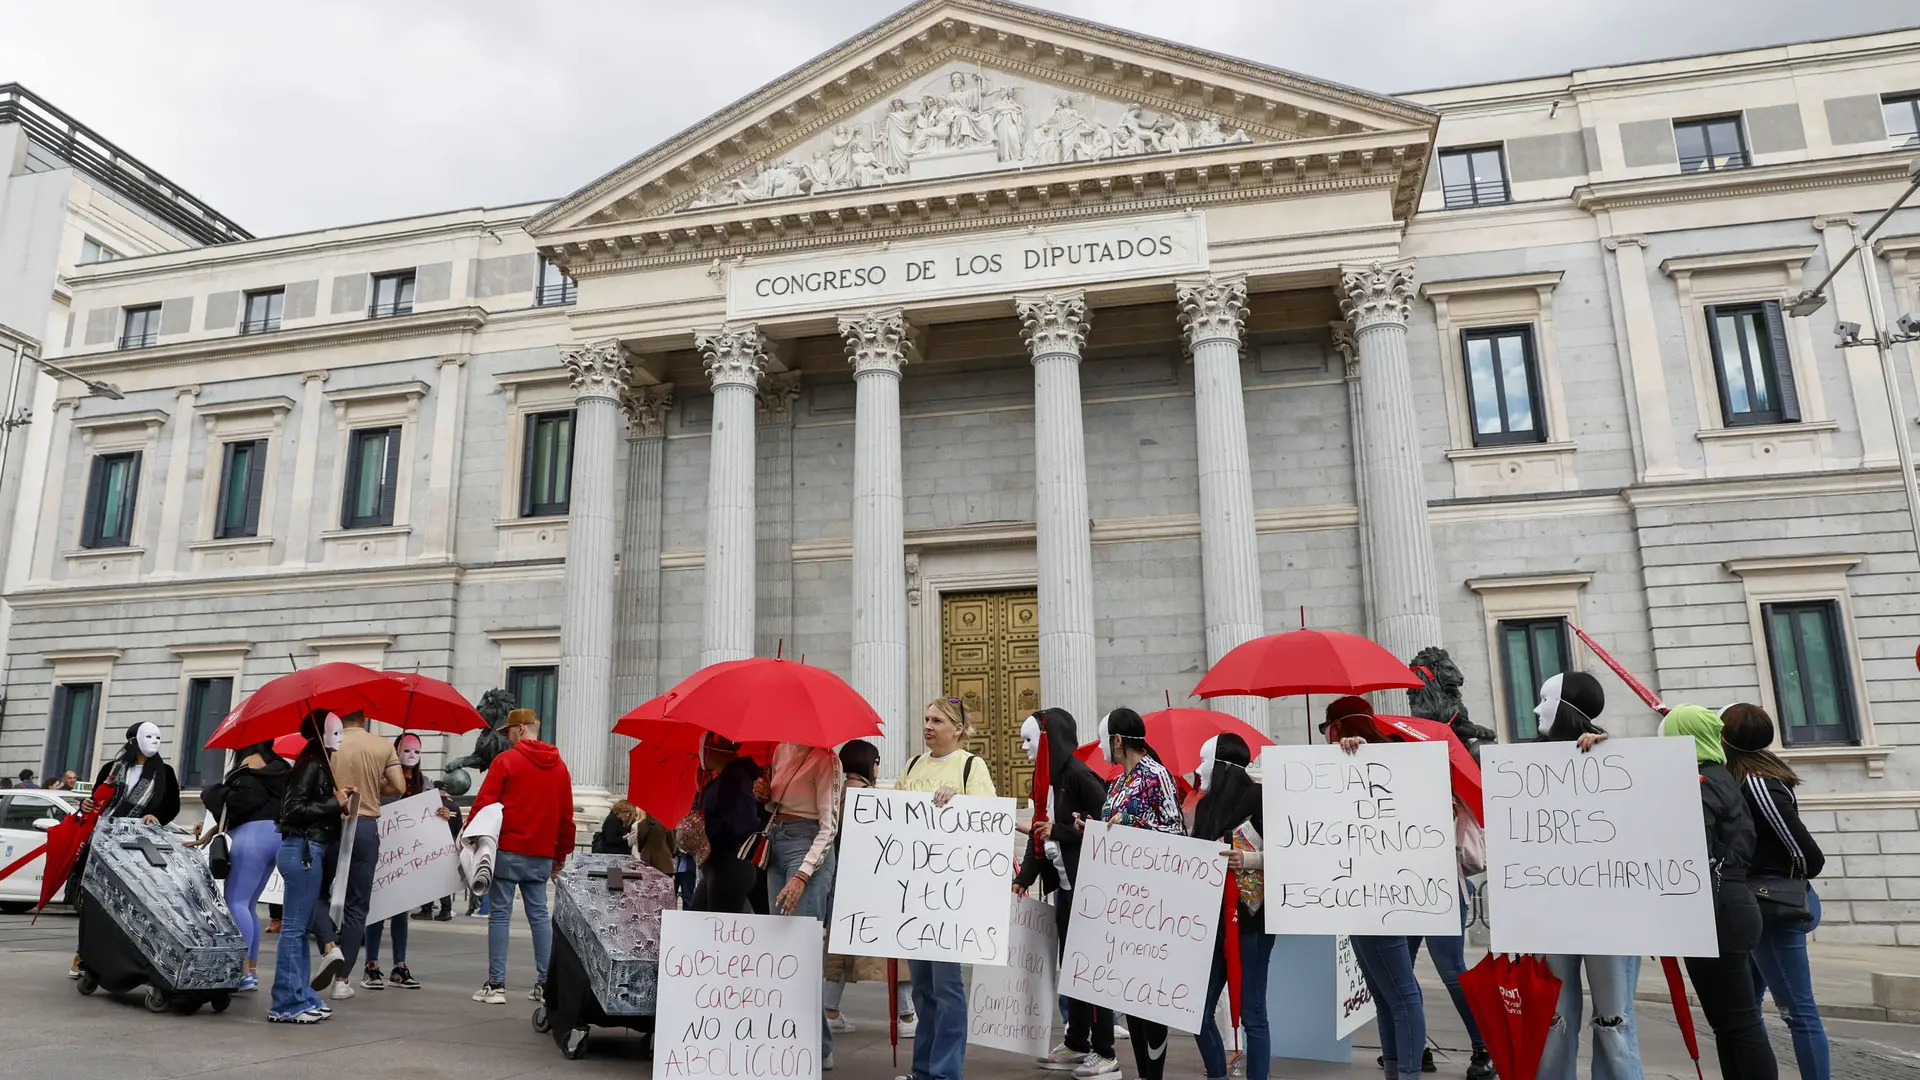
998, 355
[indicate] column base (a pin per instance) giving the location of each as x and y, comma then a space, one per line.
590, 807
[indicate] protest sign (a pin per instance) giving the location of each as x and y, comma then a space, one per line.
1602, 853
923, 882
1353, 1006
1012, 1008
419, 860
739, 997
1360, 843
1145, 914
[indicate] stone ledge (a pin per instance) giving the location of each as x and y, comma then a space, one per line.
1897, 993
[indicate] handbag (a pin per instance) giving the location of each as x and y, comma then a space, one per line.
220, 851
1469, 842
1783, 901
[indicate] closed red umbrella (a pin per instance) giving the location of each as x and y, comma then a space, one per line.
1178, 734
62, 847
761, 700
277, 708
1306, 662
1465, 771
1513, 1003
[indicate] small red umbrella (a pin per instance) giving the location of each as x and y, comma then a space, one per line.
761, 700
289, 746
64, 841
1102, 768
277, 708
663, 772
1178, 734
428, 704
1306, 662
1465, 771
1513, 1003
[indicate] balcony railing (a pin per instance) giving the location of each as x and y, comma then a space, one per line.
1484, 193
389, 310
564, 292
1738, 159
142, 340
263, 325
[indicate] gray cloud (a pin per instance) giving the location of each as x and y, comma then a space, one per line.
290, 117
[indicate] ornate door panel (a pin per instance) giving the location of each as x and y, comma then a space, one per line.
990, 647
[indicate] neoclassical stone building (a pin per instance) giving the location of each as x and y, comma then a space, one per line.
998, 355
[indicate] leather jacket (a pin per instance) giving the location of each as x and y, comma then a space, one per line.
311, 810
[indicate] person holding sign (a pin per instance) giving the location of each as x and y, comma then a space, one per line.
940, 989
414, 782
1724, 983
1143, 796
1230, 812
804, 808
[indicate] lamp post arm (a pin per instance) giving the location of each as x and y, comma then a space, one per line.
1834, 272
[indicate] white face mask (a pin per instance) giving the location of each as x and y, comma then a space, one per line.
147, 739
331, 731
1104, 739
1208, 750
1030, 738
410, 757
1545, 713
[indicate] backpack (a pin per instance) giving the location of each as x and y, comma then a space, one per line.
966, 769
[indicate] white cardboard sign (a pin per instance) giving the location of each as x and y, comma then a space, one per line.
1354, 1006
1360, 843
1012, 1008
923, 882
419, 857
1602, 853
739, 997
1146, 911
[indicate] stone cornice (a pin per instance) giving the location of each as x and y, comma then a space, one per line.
278, 581
329, 336
1439, 290
1735, 183
1768, 258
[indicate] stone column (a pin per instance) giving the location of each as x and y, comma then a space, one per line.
1406, 613
735, 358
773, 513
1214, 312
599, 375
877, 346
636, 661
53, 526
1055, 326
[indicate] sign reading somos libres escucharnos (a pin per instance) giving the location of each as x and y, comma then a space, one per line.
922, 882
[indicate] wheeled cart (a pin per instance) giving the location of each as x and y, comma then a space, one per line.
150, 917
604, 971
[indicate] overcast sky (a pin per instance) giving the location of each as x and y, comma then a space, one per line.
296, 116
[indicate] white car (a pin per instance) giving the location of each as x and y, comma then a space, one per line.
25, 816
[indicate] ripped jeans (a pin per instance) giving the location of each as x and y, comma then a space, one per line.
1616, 1041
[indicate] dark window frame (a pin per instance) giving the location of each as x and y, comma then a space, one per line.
564, 291
382, 515
208, 699
1847, 731
558, 473
96, 530
1522, 725
1530, 363
148, 333
1912, 103
1716, 158
267, 322
1474, 192
63, 751
546, 710
401, 302
254, 453
1776, 371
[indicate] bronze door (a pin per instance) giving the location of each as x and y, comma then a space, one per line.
990, 660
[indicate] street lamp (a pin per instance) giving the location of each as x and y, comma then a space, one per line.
1906, 328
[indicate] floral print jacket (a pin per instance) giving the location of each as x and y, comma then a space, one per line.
1145, 797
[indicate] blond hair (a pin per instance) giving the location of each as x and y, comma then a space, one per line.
954, 711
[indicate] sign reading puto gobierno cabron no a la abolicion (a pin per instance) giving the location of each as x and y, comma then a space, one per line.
1028, 260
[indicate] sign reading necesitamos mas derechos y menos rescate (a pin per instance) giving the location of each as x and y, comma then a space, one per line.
917, 881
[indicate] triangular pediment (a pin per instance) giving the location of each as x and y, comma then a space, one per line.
967, 88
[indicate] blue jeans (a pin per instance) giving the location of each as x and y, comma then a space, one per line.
256, 844
787, 845
1256, 951
1450, 960
399, 924
1387, 964
530, 873
940, 997
1780, 961
1616, 1039
300, 867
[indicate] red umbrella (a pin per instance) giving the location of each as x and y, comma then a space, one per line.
1513, 1003
761, 700
63, 844
1177, 735
663, 772
427, 704
277, 708
1102, 768
1465, 770
1306, 662
289, 746
1682, 1012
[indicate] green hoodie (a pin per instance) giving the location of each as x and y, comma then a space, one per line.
1702, 725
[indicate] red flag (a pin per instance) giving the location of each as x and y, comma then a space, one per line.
1652, 699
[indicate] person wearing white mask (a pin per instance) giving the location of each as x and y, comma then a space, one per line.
1230, 812
143, 786
407, 748
310, 823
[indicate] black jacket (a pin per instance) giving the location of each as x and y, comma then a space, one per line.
310, 809
256, 794
1730, 837
1079, 791
1782, 846
163, 798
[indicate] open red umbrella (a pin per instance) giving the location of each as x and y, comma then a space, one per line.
1306, 662
1513, 1003
761, 700
1102, 768
63, 844
1465, 771
428, 704
1178, 734
277, 708
663, 772
289, 746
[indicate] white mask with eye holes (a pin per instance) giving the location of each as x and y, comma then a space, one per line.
147, 739
332, 731
1030, 737
1105, 737
1208, 751
410, 755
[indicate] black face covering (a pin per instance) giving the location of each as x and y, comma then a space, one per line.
1232, 797
1062, 735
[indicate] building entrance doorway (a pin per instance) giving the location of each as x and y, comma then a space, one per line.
990, 660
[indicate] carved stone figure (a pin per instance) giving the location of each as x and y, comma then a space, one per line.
966, 121
840, 156
493, 708
896, 143
1009, 120
1440, 701
929, 128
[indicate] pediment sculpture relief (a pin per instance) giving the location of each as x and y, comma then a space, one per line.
967, 121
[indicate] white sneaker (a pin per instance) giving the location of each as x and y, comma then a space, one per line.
909, 1025
826, 1063
489, 994
342, 990
1062, 1059
332, 963
1120, 1029
538, 993
840, 1025
1098, 1068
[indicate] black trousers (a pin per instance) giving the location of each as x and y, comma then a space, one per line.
1724, 985
726, 884
1149, 1047
1089, 1027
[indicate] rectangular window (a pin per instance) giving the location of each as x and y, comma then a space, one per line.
555, 286
1710, 144
536, 688
1503, 384
76, 711
392, 295
243, 472
1752, 365
1475, 176
23, 810
1902, 114
373, 467
263, 311
112, 489
207, 703
1811, 684
93, 251
546, 474
1532, 651
141, 327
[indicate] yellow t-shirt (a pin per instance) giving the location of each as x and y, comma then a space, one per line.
929, 773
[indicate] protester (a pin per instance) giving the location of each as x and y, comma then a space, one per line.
1449, 953
250, 800
1785, 859
413, 782
310, 820
860, 761
1230, 812
1724, 984
25, 780
535, 792
1074, 795
939, 988
143, 786
1143, 796
730, 817
368, 764
802, 795
1386, 961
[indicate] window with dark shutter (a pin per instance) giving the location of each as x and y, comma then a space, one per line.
546, 468
113, 487
70, 730
1503, 385
1812, 678
1531, 652
207, 703
373, 463
1751, 364
242, 475
536, 688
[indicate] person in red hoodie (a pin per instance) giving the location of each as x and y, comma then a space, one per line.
535, 793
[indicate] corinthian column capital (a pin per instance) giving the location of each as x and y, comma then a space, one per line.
773, 400
647, 408
597, 370
1213, 309
1053, 323
1376, 294
733, 355
877, 341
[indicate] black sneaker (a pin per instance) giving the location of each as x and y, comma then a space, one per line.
370, 979
402, 979
1481, 1067
1426, 1060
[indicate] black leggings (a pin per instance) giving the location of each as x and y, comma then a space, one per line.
1149, 1047
726, 883
1089, 1027
1724, 985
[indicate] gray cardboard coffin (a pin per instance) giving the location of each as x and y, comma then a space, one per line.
171, 912
616, 934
